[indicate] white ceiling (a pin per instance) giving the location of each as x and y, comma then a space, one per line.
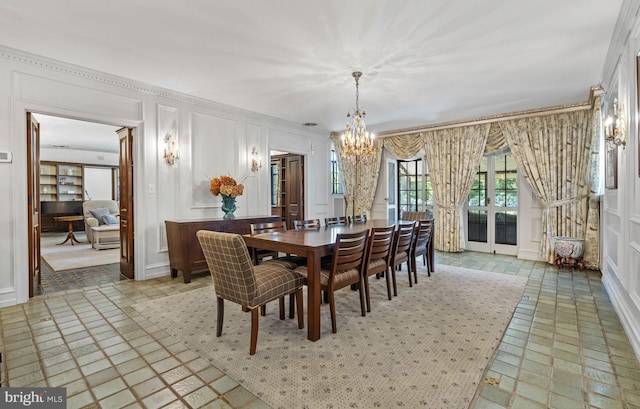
423, 61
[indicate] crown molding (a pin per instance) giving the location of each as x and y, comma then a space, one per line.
578, 106
51, 64
627, 19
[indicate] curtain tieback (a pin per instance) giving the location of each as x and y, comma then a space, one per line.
563, 202
455, 208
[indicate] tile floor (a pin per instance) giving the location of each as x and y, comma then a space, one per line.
564, 348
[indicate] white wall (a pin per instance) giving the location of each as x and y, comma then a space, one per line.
620, 208
213, 139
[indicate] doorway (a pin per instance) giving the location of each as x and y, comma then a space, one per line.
287, 186
491, 217
78, 161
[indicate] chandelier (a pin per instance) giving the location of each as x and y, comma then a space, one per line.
356, 141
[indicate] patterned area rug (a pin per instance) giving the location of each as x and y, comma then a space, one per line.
61, 257
428, 347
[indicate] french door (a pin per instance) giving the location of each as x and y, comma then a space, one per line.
391, 198
492, 207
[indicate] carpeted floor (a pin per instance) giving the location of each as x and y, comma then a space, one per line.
428, 347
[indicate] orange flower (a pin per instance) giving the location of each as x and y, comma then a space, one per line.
227, 186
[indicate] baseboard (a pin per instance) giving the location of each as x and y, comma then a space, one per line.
628, 312
7, 297
156, 271
533, 255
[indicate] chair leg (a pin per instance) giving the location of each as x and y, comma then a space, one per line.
367, 295
220, 317
281, 307
332, 308
387, 275
263, 310
361, 292
254, 331
291, 305
299, 307
393, 278
414, 267
409, 262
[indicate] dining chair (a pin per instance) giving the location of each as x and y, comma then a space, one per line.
420, 246
237, 280
413, 215
346, 269
378, 258
311, 224
287, 261
333, 221
358, 218
401, 251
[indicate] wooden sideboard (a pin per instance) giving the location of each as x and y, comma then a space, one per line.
185, 253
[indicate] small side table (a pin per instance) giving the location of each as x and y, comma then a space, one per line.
70, 220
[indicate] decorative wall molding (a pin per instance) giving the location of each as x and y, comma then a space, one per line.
624, 24
42, 62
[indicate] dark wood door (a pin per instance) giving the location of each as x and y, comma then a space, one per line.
33, 202
126, 201
294, 206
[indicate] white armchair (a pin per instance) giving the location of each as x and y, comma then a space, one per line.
91, 221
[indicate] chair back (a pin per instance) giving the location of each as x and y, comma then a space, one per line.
403, 239
333, 221
358, 218
257, 228
230, 265
379, 249
424, 230
311, 224
349, 253
412, 215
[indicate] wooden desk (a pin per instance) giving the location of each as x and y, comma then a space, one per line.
314, 244
185, 253
70, 220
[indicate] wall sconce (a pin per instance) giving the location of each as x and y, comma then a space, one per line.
170, 150
256, 163
615, 129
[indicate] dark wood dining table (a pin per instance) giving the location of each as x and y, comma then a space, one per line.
314, 244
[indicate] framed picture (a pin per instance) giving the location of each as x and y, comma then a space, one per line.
611, 168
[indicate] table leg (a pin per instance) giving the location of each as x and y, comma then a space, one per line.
70, 235
313, 296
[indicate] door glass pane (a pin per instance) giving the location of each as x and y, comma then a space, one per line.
506, 180
478, 193
506, 227
477, 225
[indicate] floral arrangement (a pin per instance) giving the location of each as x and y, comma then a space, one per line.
226, 186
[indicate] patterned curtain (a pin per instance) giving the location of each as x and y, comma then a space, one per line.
554, 154
592, 235
406, 146
360, 178
453, 156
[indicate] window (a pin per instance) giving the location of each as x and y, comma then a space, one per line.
415, 192
337, 188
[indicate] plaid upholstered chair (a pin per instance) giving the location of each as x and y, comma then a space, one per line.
236, 279
346, 269
401, 251
378, 258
